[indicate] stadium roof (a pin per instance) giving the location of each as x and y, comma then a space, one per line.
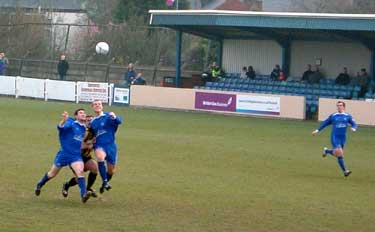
55, 5
218, 25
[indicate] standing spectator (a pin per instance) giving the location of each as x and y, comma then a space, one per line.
62, 67
2, 65
243, 72
343, 78
275, 73
250, 72
130, 74
307, 73
316, 76
6, 62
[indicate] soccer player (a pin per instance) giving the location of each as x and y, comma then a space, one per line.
71, 134
339, 121
105, 125
89, 163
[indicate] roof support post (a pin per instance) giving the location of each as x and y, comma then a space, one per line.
285, 57
220, 53
178, 57
372, 67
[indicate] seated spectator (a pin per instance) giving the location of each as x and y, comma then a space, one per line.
138, 80
250, 72
307, 73
282, 76
215, 72
363, 80
343, 78
243, 72
275, 73
316, 76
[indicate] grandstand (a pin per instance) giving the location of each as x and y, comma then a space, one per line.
264, 85
293, 40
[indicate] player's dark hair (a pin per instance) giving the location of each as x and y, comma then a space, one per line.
77, 110
343, 103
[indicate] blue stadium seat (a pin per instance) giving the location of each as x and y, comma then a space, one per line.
368, 95
209, 84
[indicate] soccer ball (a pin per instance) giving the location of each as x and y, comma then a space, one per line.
102, 48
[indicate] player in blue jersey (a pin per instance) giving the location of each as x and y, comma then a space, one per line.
105, 125
339, 121
71, 134
89, 163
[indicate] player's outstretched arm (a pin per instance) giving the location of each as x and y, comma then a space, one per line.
353, 124
65, 116
116, 118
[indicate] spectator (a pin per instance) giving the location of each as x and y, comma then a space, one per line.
2, 65
363, 80
275, 73
243, 72
343, 78
62, 67
215, 72
130, 74
6, 62
138, 80
307, 73
282, 76
316, 76
250, 72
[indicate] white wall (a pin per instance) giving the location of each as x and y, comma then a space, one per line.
76, 33
261, 54
334, 57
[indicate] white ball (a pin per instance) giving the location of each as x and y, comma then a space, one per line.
102, 48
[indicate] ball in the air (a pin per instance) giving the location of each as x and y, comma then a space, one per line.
102, 48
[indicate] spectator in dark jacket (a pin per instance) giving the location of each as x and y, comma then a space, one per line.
250, 72
130, 74
316, 76
362, 79
343, 78
307, 73
62, 67
275, 73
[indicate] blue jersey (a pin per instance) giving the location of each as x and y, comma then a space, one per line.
104, 128
339, 123
71, 135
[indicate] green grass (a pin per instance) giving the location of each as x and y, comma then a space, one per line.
182, 171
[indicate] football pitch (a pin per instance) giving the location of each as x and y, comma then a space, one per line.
182, 171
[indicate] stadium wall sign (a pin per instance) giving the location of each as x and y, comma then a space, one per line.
258, 105
215, 101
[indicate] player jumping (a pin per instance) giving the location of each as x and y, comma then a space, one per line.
71, 134
105, 126
89, 163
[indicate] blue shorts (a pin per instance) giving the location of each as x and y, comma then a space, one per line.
110, 151
338, 141
64, 159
